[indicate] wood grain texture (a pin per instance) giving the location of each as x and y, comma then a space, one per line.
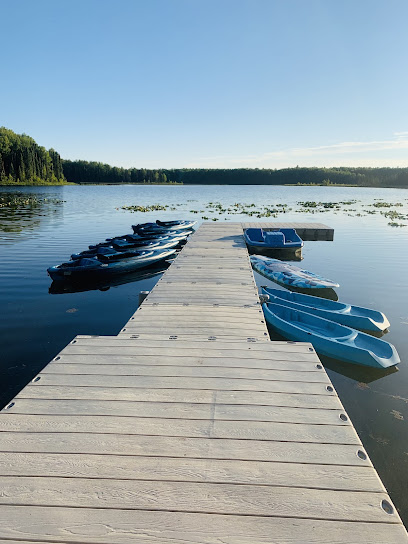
184, 448
193, 428
171, 382
130, 467
328, 402
276, 361
189, 371
95, 526
177, 410
235, 499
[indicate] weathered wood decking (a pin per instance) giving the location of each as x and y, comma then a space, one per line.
190, 426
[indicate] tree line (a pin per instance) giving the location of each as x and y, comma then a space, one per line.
22, 160
95, 172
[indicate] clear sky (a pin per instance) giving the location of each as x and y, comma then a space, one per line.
209, 83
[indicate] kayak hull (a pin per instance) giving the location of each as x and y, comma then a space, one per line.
329, 338
289, 275
355, 317
94, 268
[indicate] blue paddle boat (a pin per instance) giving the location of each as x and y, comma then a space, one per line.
289, 275
108, 264
259, 239
330, 338
346, 314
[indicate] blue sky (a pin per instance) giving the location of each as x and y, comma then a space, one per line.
209, 83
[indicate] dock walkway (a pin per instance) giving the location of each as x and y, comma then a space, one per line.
190, 426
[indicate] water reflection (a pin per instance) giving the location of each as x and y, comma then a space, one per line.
293, 254
358, 373
20, 213
65, 286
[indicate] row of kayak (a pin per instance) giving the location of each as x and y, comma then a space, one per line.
150, 244
335, 329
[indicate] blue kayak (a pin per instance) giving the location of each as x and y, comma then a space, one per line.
140, 240
155, 228
109, 264
257, 239
123, 247
288, 274
352, 316
330, 338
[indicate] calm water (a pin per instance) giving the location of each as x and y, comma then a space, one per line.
368, 258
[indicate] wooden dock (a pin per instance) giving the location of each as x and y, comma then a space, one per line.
190, 426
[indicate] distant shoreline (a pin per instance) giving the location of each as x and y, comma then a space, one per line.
331, 185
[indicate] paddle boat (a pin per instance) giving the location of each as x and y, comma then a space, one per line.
352, 316
108, 264
330, 338
259, 239
288, 274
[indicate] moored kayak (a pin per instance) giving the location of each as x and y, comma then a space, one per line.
352, 316
155, 228
106, 250
330, 338
136, 239
105, 265
288, 274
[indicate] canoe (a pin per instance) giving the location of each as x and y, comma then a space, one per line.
106, 265
346, 314
330, 338
258, 239
288, 274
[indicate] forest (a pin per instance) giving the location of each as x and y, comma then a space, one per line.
23, 161
95, 172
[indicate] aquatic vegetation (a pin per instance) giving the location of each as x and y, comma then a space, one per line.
144, 209
385, 204
18, 200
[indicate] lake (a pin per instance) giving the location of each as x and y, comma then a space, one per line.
368, 257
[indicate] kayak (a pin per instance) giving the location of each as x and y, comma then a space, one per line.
258, 239
330, 338
155, 228
288, 274
141, 239
352, 316
178, 224
124, 245
105, 250
106, 265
